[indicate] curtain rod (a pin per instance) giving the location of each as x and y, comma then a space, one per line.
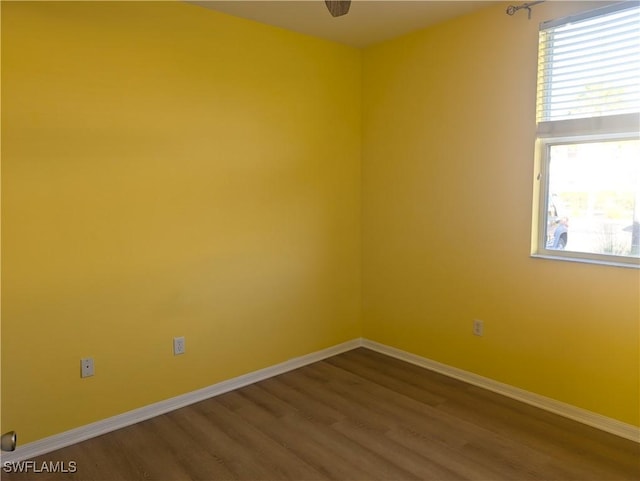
511, 9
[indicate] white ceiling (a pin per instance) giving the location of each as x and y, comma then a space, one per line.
368, 21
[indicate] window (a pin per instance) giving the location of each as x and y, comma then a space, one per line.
588, 137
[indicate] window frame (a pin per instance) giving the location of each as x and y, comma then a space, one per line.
542, 203
571, 131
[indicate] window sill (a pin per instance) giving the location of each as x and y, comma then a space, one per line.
584, 260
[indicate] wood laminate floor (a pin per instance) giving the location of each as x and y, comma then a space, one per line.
356, 416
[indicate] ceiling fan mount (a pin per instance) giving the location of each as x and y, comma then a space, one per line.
337, 8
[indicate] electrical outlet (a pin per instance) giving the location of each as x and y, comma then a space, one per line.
178, 345
478, 327
86, 367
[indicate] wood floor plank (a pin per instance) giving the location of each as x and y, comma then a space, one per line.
242, 463
299, 441
523, 424
422, 465
426, 421
276, 457
359, 416
335, 444
371, 438
306, 405
199, 462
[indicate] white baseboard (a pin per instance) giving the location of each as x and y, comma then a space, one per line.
73, 436
583, 416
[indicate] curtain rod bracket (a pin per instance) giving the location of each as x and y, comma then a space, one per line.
511, 9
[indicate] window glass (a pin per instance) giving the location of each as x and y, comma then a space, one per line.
594, 203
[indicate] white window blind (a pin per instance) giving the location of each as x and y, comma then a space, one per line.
589, 65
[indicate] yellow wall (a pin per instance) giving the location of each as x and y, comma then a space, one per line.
449, 130
166, 171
